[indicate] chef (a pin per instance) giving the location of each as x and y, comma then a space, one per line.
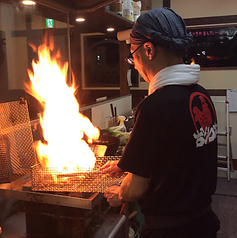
171, 155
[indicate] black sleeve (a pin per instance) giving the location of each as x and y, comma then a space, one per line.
148, 137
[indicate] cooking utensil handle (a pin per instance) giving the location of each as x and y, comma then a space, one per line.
115, 112
112, 109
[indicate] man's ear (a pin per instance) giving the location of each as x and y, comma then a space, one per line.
150, 50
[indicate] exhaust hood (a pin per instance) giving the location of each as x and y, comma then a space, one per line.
98, 18
77, 6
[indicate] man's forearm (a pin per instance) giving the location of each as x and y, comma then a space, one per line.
133, 188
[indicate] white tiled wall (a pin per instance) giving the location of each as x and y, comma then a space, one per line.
100, 114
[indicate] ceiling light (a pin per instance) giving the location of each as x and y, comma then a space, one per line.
28, 2
80, 19
110, 29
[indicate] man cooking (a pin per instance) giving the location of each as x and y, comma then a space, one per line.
171, 155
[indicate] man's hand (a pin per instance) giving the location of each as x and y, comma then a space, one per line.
112, 195
133, 188
111, 168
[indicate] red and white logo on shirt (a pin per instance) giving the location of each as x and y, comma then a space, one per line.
204, 118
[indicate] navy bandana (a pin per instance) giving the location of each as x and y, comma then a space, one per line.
161, 26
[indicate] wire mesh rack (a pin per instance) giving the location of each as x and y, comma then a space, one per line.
93, 180
17, 154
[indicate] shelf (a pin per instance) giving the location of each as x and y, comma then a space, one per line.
119, 16
100, 20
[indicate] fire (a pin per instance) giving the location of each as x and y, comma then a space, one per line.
192, 61
62, 124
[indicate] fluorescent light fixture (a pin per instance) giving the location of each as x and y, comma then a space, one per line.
28, 2
110, 29
80, 19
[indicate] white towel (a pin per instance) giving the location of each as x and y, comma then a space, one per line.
179, 74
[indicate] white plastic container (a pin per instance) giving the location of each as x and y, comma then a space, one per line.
128, 9
136, 10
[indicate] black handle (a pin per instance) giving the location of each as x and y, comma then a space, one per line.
112, 109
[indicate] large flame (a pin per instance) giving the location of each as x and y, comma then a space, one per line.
62, 124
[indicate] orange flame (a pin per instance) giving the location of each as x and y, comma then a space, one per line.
62, 124
192, 61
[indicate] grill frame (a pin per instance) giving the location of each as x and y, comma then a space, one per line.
17, 153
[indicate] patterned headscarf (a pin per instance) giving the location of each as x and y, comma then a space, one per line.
163, 27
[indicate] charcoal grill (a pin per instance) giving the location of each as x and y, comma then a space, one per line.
63, 214
68, 209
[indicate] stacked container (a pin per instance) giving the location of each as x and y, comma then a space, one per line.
128, 9
136, 10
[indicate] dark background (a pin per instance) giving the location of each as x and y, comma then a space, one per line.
213, 47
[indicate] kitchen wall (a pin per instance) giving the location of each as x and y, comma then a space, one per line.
101, 112
211, 79
21, 26
203, 8
16, 47
157, 3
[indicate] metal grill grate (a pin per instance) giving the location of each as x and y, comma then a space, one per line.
17, 154
49, 179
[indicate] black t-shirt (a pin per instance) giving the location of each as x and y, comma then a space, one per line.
174, 143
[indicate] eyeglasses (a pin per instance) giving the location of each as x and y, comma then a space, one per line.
129, 58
